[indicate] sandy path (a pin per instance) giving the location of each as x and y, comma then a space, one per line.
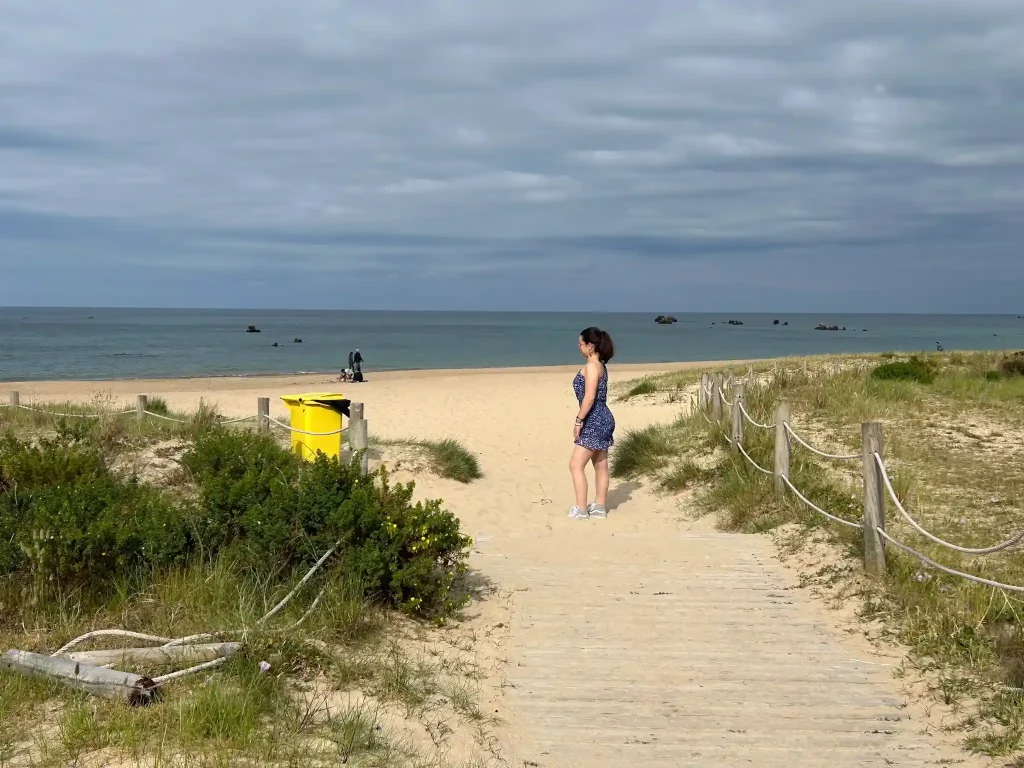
641, 640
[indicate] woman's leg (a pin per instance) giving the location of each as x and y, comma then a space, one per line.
600, 459
577, 464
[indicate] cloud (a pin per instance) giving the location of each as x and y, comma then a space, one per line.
433, 154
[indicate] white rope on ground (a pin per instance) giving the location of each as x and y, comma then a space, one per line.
302, 582
169, 642
110, 633
816, 508
756, 466
938, 566
161, 679
966, 550
165, 418
304, 432
751, 420
812, 449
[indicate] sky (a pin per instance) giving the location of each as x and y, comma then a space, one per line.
691, 155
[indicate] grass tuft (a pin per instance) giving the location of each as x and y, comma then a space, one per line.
647, 385
451, 459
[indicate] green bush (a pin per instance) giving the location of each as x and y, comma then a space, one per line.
992, 376
1013, 365
235, 473
914, 369
70, 522
258, 501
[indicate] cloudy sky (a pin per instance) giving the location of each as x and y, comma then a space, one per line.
514, 154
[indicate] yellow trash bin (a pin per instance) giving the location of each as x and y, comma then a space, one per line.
319, 414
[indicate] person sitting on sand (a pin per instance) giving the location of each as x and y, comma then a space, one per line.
594, 431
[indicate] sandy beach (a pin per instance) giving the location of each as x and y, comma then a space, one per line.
518, 421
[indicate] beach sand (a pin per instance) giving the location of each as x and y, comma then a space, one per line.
518, 421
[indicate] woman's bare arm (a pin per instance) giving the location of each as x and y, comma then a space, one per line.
591, 375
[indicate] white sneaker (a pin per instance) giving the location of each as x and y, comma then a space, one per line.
593, 510
578, 514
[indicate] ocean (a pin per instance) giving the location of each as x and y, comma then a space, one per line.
40, 343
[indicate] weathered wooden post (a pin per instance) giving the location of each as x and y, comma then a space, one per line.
874, 499
15, 399
805, 367
702, 395
782, 414
358, 436
737, 417
263, 414
750, 373
716, 397
141, 404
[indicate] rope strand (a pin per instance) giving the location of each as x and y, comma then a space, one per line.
966, 550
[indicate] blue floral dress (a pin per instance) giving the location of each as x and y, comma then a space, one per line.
598, 429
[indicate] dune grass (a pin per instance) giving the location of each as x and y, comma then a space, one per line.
328, 697
447, 457
451, 459
954, 448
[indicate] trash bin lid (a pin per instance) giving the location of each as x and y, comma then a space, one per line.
314, 397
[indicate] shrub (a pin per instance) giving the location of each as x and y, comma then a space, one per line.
257, 500
992, 376
70, 522
914, 369
1013, 365
158, 405
235, 473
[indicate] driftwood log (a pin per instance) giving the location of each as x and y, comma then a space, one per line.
109, 683
189, 654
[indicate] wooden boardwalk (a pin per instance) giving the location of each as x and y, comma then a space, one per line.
667, 647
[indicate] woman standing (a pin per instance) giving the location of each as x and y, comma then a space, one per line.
594, 432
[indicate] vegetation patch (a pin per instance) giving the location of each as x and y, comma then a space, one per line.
954, 453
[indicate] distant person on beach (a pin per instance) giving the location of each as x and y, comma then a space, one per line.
357, 365
594, 431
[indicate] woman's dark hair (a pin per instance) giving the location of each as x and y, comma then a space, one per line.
602, 342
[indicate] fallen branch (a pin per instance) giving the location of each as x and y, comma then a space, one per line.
109, 683
191, 654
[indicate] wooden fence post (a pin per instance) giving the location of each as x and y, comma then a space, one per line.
15, 399
141, 404
716, 397
702, 394
874, 499
263, 414
782, 415
750, 373
805, 367
359, 437
737, 417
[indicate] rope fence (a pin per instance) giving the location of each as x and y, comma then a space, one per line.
878, 485
357, 431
